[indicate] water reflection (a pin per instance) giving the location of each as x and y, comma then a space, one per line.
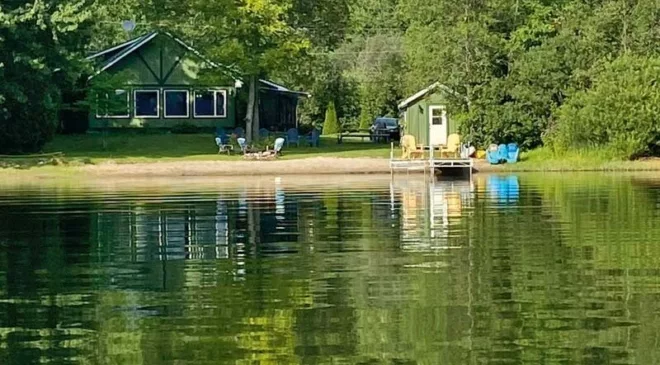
503, 269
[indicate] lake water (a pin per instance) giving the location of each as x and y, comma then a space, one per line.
528, 269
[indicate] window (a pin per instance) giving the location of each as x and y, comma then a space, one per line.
146, 104
113, 105
438, 115
211, 103
176, 104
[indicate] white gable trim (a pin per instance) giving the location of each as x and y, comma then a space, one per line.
126, 53
422, 93
119, 46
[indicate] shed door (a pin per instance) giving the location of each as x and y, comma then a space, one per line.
437, 125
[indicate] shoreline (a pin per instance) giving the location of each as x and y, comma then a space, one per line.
293, 167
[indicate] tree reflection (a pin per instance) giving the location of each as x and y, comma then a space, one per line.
530, 269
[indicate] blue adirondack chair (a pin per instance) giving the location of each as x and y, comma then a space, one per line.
513, 152
292, 137
314, 138
239, 132
263, 133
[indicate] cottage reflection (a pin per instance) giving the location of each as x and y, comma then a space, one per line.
429, 209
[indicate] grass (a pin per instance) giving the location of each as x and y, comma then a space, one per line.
131, 148
544, 159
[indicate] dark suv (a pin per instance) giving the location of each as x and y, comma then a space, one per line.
385, 127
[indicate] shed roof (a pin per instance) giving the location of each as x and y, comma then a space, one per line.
124, 49
423, 93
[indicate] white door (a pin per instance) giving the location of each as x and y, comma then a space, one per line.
437, 126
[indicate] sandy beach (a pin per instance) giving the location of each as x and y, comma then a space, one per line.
286, 167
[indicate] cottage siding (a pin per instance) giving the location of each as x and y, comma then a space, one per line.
163, 64
417, 117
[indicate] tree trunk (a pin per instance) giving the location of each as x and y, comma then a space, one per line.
252, 115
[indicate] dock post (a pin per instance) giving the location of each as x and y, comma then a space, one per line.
392, 159
432, 160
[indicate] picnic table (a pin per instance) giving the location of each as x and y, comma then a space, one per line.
362, 133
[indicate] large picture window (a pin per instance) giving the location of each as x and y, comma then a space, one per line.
210, 103
146, 104
113, 105
176, 104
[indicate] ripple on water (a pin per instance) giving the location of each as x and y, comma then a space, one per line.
503, 269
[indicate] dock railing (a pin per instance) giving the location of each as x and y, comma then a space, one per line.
430, 162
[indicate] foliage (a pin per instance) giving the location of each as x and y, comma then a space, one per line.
515, 66
331, 124
619, 112
38, 44
185, 128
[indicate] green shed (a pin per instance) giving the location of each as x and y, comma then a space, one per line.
424, 116
167, 83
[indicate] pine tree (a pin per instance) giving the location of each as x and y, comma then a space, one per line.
331, 125
365, 120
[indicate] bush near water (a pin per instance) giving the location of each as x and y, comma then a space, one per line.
620, 112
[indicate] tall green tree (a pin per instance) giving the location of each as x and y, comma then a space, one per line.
255, 38
331, 124
41, 43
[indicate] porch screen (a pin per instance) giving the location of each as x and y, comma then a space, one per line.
113, 104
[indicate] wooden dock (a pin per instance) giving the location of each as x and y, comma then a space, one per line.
431, 163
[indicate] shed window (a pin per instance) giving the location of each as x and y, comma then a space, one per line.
211, 103
113, 105
176, 104
437, 115
146, 103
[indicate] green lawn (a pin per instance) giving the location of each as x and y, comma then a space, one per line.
128, 148
131, 148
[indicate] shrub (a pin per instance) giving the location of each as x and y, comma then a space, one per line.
28, 118
620, 112
185, 128
365, 120
331, 124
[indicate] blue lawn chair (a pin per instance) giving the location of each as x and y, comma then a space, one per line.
279, 143
503, 152
292, 137
239, 132
513, 151
242, 143
223, 142
263, 133
314, 138
493, 155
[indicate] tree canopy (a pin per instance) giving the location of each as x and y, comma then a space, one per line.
519, 68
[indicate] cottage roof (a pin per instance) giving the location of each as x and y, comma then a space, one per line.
423, 93
122, 50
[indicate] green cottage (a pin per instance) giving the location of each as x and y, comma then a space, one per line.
424, 116
169, 83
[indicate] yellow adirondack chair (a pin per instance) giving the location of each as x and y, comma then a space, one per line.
453, 146
409, 148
